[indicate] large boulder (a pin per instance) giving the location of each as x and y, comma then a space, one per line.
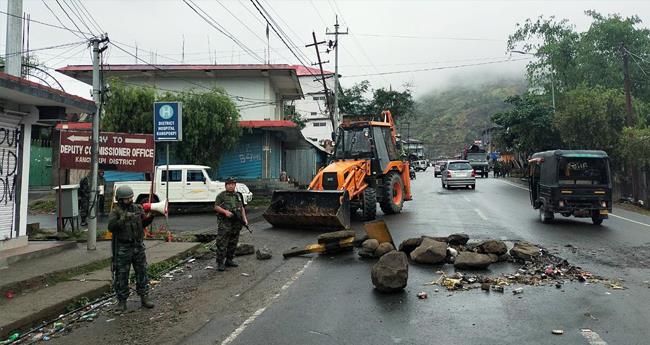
493, 247
409, 245
471, 260
244, 249
391, 272
384, 248
525, 251
264, 254
370, 245
457, 238
436, 238
430, 252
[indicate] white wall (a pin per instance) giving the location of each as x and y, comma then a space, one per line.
314, 111
247, 92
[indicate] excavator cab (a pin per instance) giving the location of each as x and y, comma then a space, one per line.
365, 170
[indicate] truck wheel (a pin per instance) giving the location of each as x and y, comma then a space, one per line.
393, 198
596, 218
545, 216
369, 203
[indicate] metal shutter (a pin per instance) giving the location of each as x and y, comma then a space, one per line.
9, 129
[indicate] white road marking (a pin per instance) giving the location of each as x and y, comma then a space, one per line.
611, 214
480, 214
592, 337
259, 312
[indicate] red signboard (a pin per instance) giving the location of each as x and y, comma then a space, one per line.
117, 151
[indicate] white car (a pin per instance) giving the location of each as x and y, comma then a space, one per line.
187, 184
420, 165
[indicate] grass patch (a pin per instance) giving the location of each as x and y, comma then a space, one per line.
42, 206
634, 208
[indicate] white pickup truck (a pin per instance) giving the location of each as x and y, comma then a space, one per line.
188, 184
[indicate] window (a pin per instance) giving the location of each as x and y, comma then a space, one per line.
195, 176
174, 175
319, 124
313, 113
583, 171
321, 98
459, 166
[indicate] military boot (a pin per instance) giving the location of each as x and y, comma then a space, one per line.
221, 266
231, 263
120, 307
146, 302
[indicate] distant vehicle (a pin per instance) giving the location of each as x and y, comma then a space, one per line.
458, 173
437, 168
188, 184
571, 182
477, 157
420, 165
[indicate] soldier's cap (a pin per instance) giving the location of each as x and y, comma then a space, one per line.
231, 180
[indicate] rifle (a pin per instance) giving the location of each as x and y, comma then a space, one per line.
237, 216
113, 259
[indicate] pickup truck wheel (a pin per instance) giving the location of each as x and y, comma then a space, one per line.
393, 198
545, 216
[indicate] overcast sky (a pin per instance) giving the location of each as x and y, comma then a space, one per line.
385, 36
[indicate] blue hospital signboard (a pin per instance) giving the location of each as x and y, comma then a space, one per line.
168, 121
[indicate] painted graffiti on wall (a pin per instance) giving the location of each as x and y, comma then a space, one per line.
9, 139
248, 155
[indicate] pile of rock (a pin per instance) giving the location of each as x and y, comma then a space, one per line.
371, 248
391, 272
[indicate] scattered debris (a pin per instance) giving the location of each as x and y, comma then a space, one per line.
485, 287
518, 291
208, 267
471, 260
493, 247
457, 239
558, 332
383, 248
246, 274
264, 254
390, 273
110, 320
9, 294
409, 245
525, 251
430, 252
191, 260
498, 288
422, 295
244, 249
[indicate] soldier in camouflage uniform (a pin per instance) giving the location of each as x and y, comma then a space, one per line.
127, 222
229, 206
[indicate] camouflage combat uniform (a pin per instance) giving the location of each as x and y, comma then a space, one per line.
127, 223
229, 228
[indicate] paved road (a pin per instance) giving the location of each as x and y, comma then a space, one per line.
331, 299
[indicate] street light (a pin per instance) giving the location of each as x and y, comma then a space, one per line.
552, 77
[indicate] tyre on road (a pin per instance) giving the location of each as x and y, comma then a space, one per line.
369, 207
596, 218
545, 216
393, 190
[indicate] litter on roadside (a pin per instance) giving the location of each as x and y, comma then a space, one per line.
246, 274
422, 295
558, 332
208, 267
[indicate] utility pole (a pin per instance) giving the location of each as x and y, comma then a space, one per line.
320, 64
94, 158
336, 34
13, 49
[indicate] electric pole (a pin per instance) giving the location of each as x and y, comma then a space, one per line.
94, 158
13, 49
629, 120
320, 65
336, 34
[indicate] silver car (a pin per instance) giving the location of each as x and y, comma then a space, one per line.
458, 173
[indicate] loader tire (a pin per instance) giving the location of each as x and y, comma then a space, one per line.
369, 204
393, 190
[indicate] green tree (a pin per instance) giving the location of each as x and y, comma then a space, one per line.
353, 101
591, 118
635, 145
527, 127
210, 119
400, 104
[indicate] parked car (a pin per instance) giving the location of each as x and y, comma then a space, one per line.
188, 184
458, 173
572, 183
420, 165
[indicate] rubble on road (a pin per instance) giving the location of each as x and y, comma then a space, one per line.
244, 249
525, 251
264, 254
471, 260
430, 252
493, 247
390, 273
409, 245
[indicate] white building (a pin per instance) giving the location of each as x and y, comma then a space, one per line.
313, 107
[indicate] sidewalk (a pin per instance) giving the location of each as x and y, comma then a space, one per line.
43, 287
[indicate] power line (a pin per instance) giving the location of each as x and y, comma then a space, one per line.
73, 23
439, 68
42, 23
220, 28
299, 48
92, 19
76, 13
45, 48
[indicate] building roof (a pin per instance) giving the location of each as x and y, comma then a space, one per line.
305, 70
23, 91
177, 67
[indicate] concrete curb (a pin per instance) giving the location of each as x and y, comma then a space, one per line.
35, 317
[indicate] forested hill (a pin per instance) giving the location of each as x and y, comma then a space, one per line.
448, 119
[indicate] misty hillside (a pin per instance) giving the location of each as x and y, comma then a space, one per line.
446, 120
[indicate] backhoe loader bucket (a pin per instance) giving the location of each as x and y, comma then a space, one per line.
326, 210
